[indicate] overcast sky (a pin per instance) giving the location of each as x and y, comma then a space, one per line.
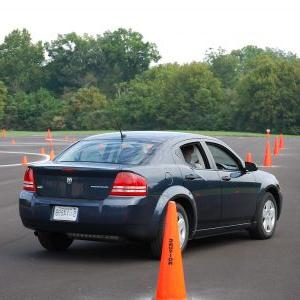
182, 30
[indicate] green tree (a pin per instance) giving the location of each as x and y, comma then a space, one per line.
72, 59
269, 96
224, 66
80, 61
85, 109
171, 97
21, 62
35, 111
125, 55
3, 99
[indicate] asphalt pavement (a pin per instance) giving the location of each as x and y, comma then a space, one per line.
228, 267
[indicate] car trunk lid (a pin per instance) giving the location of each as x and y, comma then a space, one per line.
75, 181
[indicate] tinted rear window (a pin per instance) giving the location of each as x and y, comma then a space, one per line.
109, 151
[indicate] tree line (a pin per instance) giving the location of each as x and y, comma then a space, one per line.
86, 82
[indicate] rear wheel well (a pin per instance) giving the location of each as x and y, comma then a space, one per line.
189, 211
275, 194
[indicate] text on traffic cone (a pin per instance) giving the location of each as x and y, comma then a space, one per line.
171, 283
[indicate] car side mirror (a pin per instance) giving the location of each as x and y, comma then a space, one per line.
250, 167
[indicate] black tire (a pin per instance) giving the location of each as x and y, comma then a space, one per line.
156, 244
54, 241
258, 230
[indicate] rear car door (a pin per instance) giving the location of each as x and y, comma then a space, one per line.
201, 180
239, 189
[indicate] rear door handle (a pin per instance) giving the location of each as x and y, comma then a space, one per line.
226, 178
192, 177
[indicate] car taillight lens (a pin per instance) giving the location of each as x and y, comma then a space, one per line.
129, 184
29, 184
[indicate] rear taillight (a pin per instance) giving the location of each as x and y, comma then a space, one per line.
29, 184
129, 184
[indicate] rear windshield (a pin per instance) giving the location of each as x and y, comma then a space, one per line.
109, 151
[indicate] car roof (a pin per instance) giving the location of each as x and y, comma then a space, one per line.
155, 136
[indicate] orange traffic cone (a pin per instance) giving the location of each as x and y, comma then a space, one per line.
13, 141
268, 156
281, 141
42, 150
24, 161
171, 283
52, 154
49, 135
249, 157
3, 133
276, 146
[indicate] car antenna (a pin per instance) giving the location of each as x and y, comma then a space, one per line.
121, 133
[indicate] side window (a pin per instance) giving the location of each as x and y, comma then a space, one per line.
222, 158
194, 156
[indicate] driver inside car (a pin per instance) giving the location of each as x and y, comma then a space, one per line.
190, 156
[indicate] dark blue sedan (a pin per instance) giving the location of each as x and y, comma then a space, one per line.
116, 186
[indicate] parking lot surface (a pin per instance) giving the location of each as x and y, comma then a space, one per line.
228, 267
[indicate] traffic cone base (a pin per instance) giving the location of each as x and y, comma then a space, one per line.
171, 283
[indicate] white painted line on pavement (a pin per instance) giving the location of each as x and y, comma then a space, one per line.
46, 157
29, 144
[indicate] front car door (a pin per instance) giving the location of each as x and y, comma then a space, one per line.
201, 180
239, 189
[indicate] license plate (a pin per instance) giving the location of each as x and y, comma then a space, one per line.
65, 213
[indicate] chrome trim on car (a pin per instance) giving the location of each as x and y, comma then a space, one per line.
226, 226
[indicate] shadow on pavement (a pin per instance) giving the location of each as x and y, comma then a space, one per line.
91, 252
208, 243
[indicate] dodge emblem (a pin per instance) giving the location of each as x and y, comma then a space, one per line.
69, 180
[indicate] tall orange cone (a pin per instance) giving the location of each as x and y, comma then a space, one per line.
268, 156
42, 150
13, 141
171, 283
52, 154
24, 161
276, 146
249, 157
281, 141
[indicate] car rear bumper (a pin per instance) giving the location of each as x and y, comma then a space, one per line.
114, 216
